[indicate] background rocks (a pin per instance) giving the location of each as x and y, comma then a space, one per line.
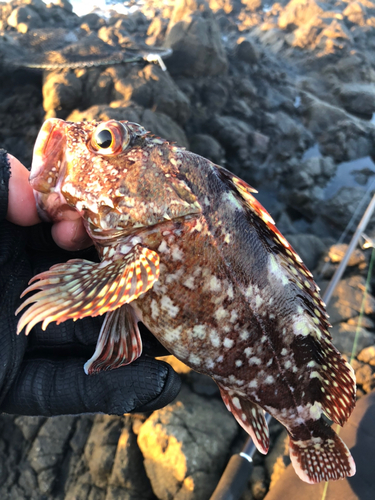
281, 94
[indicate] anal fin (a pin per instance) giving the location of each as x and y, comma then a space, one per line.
80, 288
250, 416
119, 341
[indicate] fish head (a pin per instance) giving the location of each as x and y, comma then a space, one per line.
114, 174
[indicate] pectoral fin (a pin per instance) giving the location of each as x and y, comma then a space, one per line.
119, 341
80, 288
250, 417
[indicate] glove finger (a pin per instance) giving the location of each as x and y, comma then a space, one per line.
47, 388
76, 335
83, 332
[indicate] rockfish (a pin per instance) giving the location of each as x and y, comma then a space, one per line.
186, 249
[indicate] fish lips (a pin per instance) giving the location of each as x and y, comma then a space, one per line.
47, 172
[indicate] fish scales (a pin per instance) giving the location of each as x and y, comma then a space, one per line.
186, 249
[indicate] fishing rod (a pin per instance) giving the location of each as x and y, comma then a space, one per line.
240, 466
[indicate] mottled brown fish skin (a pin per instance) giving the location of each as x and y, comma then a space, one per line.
231, 298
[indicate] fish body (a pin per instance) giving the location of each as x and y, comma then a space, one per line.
186, 249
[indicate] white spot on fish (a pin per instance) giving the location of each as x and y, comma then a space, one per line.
177, 253
248, 351
163, 247
255, 361
154, 309
173, 335
194, 359
215, 285
269, 380
253, 383
238, 363
228, 343
220, 313
244, 335
230, 291
215, 339
189, 283
236, 403
233, 316
199, 331
167, 304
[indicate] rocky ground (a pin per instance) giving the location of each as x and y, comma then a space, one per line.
283, 95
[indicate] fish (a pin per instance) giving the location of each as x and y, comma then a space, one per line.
186, 249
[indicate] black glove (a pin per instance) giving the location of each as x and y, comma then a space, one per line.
42, 374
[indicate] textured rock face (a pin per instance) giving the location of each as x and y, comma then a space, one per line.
185, 447
194, 36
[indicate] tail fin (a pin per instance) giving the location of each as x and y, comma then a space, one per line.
323, 457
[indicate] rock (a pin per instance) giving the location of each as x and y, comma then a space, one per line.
363, 374
124, 110
320, 115
340, 208
206, 146
299, 12
355, 12
258, 482
285, 225
347, 299
185, 447
62, 92
24, 19
151, 87
247, 51
358, 98
93, 21
29, 426
194, 36
252, 5
336, 254
309, 247
48, 448
101, 446
345, 337
367, 355
128, 474
278, 458
163, 126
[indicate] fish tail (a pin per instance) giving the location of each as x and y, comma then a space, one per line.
322, 457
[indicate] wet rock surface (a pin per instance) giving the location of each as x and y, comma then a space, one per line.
281, 94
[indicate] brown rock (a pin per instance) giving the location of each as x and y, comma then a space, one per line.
337, 252
299, 12
367, 355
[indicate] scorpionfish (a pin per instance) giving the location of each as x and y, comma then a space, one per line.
186, 249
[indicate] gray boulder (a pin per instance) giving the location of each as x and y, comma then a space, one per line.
185, 446
194, 36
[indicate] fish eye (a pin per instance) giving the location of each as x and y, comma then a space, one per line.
110, 138
103, 138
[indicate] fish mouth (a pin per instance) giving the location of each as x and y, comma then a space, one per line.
47, 170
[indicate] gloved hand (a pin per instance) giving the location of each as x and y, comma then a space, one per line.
42, 374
